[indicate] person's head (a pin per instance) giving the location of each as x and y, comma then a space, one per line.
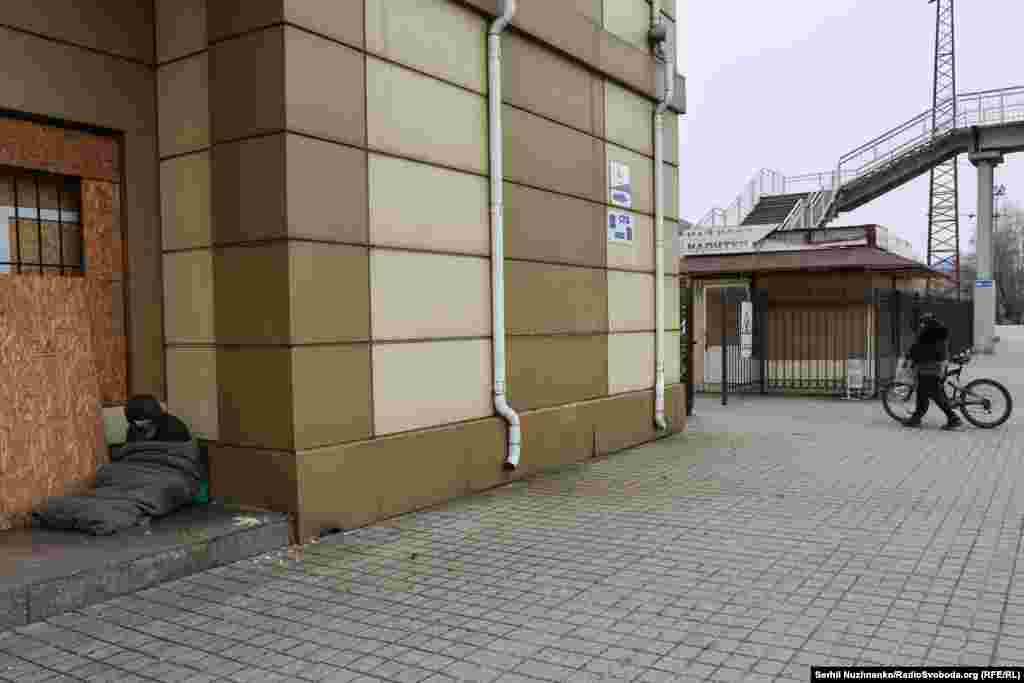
144, 412
928, 321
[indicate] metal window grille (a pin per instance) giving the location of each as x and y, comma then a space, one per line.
42, 231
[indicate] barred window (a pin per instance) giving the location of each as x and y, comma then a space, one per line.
42, 226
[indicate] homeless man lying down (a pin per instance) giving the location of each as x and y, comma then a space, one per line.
156, 472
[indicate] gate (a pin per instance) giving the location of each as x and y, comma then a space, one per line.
731, 357
825, 348
686, 341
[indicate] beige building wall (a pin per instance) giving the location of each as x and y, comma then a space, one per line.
308, 232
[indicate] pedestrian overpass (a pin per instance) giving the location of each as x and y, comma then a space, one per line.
989, 125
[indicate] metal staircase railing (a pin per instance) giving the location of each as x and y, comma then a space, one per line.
981, 108
765, 182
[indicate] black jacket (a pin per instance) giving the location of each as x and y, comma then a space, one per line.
931, 350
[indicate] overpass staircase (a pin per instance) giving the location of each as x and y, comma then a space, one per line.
990, 120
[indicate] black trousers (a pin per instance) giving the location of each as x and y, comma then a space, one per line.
929, 388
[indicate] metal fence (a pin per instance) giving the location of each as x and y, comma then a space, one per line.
753, 344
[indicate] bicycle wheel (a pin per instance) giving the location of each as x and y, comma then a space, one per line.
988, 404
899, 400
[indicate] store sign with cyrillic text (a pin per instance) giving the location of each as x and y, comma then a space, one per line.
735, 239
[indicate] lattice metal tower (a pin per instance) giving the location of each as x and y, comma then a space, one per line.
943, 205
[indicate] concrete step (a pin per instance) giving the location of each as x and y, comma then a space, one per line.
47, 572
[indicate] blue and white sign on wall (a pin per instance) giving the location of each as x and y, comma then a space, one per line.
619, 184
620, 226
983, 284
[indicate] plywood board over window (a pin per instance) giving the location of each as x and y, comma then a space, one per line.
63, 349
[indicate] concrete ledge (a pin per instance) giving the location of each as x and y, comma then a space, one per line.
46, 573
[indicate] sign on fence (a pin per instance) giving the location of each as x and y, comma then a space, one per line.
854, 375
983, 284
746, 328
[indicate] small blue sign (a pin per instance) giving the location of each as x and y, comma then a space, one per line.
983, 284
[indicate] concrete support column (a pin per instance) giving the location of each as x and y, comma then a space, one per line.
984, 290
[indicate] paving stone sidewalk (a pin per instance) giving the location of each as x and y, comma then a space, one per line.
775, 534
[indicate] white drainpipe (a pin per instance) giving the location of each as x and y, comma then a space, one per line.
498, 233
659, 227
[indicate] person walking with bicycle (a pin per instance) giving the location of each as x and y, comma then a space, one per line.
929, 355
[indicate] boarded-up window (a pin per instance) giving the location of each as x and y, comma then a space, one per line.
41, 214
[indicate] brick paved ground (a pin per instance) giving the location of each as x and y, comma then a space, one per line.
776, 534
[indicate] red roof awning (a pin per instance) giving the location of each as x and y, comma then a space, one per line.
862, 258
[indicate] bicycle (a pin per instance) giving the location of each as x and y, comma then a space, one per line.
985, 394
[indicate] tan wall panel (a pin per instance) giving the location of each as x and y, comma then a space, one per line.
188, 297
438, 37
630, 301
192, 389
547, 83
560, 25
547, 155
331, 386
326, 190
630, 119
231, 17
626, 63
337, 111
340, 20
354, 484
555, 436
330, 298
405, 211
672, 312
630, 362
255, 397
260, 478
247, 85
550, 371
622, 422
180, 28
249, 201
638, 254
672, 359
629, 20
420, 296
79, 85
671, 247
430, 383
414, 115
183, 92
675, 407
671, 138
121, 27
185, 201
340, 487
547, 299
455, 464
671, 192
641, 177
544, 226
252, 278
591, 9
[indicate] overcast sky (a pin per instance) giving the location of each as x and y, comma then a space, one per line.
792, 85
